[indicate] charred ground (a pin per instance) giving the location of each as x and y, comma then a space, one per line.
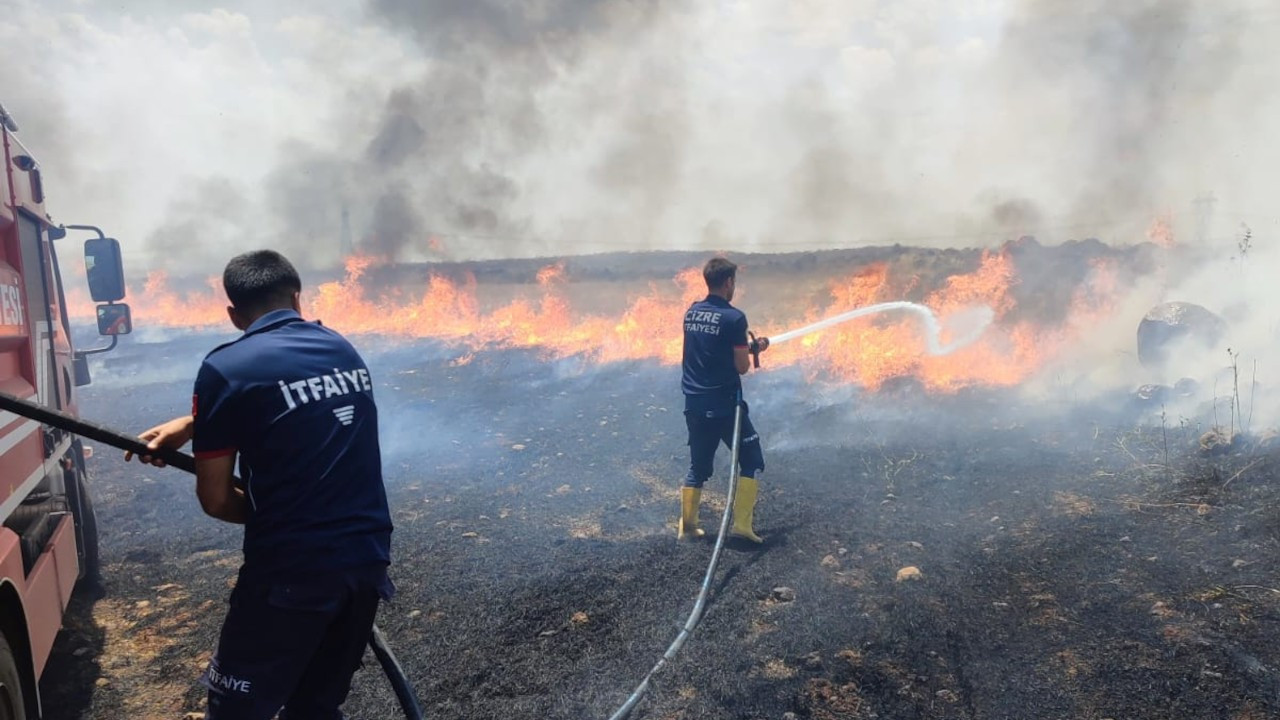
1076, 561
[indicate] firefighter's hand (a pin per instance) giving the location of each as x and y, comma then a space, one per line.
171, 435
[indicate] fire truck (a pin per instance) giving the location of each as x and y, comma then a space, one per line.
48, 534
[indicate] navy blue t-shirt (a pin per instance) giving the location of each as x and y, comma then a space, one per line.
712, 329
295, 400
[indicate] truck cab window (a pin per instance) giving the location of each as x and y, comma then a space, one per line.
33, 269
42, 339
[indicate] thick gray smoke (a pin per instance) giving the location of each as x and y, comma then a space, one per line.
468, 148
563, 126
1115, 88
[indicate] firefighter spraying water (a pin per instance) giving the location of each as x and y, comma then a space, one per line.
718, 350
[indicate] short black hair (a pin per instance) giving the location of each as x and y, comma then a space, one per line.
259, 281
717, 272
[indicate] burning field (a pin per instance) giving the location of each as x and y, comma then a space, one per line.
995, 533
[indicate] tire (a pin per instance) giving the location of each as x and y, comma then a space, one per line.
12, 706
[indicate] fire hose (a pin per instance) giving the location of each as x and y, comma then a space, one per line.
977, 318
108, 436
700, 604
980, 318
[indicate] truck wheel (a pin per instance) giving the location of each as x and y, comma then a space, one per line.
11, 703
86, 529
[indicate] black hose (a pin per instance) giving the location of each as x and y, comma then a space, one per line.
399, 681
93, 431
395, 674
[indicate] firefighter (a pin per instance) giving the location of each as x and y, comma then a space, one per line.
716, 354
293, 401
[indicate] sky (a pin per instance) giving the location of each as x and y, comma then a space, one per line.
509, 128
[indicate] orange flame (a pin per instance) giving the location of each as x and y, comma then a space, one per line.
873, 350
1160, 232
869, 351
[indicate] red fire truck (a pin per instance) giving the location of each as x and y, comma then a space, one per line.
48, 535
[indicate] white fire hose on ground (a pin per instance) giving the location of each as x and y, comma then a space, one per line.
700, 604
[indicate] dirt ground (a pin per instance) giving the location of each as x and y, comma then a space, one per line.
1073, 562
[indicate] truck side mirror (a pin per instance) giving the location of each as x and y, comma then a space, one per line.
114, 320
105, 270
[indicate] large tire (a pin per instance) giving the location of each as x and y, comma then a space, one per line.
1170, 325
12, 706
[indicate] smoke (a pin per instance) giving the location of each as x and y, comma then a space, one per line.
510, 88
1237, 283
564, 126
1119, 87
193, 133
1232, 378
208, 212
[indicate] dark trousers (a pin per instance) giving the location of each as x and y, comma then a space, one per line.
706, 434
293, 645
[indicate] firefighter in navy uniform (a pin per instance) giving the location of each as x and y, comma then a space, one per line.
293, 401
717, 352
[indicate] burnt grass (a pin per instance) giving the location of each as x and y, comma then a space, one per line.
1075, 561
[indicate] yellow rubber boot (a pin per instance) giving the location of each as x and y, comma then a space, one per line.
744, 508
690, 499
